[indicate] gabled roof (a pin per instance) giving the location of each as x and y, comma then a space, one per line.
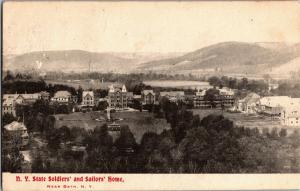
117, 87
11, 96
137, 96
226, 91
274, 101
146, 92
15, 126
85, 93
31, 96
8, 102
251, 98
44, 93
62, 94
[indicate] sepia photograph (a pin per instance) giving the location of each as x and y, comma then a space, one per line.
167, 87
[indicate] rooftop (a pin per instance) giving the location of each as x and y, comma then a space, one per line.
146, 92
85, 93
62, 94
15, 126
172, 93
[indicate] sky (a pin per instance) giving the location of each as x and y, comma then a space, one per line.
144, 26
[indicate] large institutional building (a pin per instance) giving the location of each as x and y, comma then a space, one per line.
118, 97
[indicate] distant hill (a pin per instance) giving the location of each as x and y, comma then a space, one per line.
230, 57
286, 69
79, 61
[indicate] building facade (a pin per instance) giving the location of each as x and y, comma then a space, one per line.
118, 97
224, 99
148, 97
88, 99
290, 116
63, 97
248, 104
273, 105
10, 101
173, 96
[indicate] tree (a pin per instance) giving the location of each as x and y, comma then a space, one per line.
102, 105
100, 150
7, 118
283, 133
12, 158
244, 83
211, 95
215, 81
38, 165
274, 133
79, 94
65, 133
294, 137
13, 161
54, 139
8, 76
126, 141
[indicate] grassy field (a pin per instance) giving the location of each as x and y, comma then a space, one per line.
245, 120
138, 122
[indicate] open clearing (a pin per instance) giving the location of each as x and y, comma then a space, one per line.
142, 122
138, 122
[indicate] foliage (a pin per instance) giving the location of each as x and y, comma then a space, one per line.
33, 86
211, 95
12, 159
7, 118
258, 86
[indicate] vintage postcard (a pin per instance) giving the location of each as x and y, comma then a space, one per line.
150, 95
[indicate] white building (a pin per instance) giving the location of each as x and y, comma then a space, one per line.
16, 130
148, 97
290, 116
62, 97
173, 96
226, 92
273, 105
248, 104
10, 101
88, 99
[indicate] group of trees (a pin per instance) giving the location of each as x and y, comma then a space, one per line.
193, 145
18, 76
288, 89
36, 115
258, 86
33, 86
115, 77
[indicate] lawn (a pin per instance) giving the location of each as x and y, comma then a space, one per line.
138, 122
245, 120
